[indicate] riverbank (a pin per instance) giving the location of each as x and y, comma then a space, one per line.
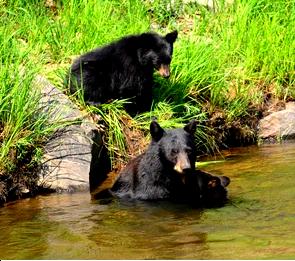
230, 67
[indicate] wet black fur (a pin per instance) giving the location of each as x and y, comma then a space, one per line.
151, 175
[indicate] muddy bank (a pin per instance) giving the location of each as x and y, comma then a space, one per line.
257, 126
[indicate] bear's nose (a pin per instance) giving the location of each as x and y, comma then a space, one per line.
183, 164
182, 169
164, 70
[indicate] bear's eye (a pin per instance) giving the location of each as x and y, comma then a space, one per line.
188, 151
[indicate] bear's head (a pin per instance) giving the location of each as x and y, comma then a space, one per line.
212, 188
176, 147
156, 51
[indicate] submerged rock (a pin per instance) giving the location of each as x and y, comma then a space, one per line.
75, 158
278, 125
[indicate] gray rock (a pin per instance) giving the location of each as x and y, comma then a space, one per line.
68, 160
278, 126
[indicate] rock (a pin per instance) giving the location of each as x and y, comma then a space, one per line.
72, 159
278, 126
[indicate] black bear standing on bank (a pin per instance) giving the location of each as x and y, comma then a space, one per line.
166, 170
123, 69
159, 172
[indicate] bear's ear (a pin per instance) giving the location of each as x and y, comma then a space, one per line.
191, 127
171, 37
156, 131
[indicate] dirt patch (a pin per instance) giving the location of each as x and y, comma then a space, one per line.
18, 175
241, 131
135, 140
19, 183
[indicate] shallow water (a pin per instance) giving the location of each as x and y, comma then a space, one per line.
257, 223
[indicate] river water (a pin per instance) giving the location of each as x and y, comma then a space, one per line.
257, 223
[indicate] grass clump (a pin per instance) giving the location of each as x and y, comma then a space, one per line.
23, 128
116, 119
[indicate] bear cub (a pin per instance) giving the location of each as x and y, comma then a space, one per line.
160, 171
123, 69
204, 189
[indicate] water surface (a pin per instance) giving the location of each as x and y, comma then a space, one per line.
257, 223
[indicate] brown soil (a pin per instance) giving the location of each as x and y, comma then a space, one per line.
136, 142
19, 183
135, 138
21, 178
241, 131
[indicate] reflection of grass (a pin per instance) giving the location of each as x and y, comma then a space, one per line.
207, 163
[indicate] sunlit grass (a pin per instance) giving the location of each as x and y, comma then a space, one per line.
115, 118
24, 126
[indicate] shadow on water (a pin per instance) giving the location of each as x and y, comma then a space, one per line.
256, 223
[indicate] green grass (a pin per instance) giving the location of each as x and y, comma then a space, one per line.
225, 60
16, 97
23, 126
115, 117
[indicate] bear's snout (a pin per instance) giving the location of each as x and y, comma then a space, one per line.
164, 70
183, 164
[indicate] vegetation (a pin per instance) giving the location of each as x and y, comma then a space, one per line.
229, 64
22, 125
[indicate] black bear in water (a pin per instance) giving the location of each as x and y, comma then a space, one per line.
123, 69
166, 170
160, 171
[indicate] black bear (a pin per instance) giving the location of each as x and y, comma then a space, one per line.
123, 69
166, 170
159, 172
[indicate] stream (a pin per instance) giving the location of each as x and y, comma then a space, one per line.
258, 222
